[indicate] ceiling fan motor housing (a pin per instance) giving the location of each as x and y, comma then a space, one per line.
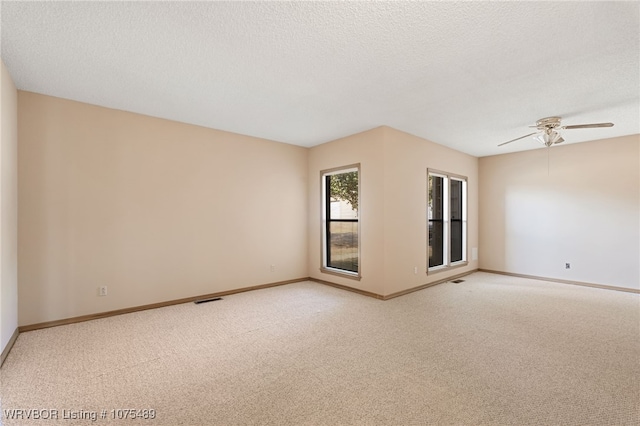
548, 123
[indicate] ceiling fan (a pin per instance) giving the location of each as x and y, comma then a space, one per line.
548, 127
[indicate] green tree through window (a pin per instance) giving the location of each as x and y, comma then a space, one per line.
344, 186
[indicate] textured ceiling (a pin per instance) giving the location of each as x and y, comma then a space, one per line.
468, 75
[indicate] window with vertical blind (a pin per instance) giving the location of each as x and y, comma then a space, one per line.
341, 221
447, 220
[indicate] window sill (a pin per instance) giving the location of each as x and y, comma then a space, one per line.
340, 273
439, 269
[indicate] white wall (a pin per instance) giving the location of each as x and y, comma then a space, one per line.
8, 208
577, 204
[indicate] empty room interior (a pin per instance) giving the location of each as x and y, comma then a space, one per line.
320, 213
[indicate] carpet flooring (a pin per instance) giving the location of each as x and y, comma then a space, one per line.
490, 350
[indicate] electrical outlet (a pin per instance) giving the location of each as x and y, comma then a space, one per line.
102, 290
415, 270
273, 268
567, 266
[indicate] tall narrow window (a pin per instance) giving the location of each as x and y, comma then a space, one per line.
457, 221
341, 251
437, 229
447, 220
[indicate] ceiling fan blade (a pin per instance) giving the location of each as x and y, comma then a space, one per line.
521, 137
587, 126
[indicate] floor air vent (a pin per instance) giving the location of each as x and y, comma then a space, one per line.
213, 299
457, 281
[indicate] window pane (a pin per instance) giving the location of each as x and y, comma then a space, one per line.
436, 222
343, 246
436, 241
456, 220
456, 241
343, 194
456, 199
436, 193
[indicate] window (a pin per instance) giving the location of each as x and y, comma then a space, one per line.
447, 220
341, 227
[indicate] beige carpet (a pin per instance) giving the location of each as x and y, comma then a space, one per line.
491, 350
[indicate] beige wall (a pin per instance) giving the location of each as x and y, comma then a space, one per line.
158, 210
155, 210
393, 206
365, 148
8, 208
406, 160
577, 204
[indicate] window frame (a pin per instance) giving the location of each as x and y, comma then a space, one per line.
325, 205
447, 221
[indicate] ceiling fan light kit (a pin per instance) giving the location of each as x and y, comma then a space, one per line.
549, 137
548, 127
